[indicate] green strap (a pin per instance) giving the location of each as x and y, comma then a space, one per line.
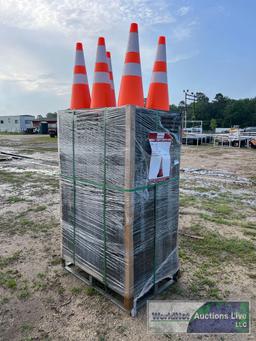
74, 188
118, 188
104, 203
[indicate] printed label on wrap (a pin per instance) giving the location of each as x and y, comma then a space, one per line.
160, 161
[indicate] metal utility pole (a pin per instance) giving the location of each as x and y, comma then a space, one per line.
189, 96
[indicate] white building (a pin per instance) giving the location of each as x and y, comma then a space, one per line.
18, 123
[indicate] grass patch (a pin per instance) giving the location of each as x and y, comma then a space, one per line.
220, 249
203, 284
196, 228
25, 328
8, 280
5, 261
41, 275
90, 291
23, 293
248, 225
56, 261
13, 199
249, 233
201, 189
214, 219
222, 209
38, 149
39, 208
39, 285
21, 224
18, 178
76, 290
187, 200
183, 255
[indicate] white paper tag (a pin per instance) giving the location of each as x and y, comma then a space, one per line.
160, 160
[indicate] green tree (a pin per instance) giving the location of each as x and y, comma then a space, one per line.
225, 111
52, 115
213, 124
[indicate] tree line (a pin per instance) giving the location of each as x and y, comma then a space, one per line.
222, 111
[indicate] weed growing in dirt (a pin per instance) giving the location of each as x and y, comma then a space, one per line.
76, 290
8, 280
25, 328
13, 199
90, 291
5, 261
56, 261
23, 293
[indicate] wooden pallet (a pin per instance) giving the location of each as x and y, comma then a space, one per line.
112, 295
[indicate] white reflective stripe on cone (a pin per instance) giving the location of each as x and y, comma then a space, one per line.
101, 54
159, 77
132, 69
133, 42
80, 78
101, 77
161, 53
108, 61
79, 58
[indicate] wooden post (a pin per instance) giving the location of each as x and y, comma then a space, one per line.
129, 206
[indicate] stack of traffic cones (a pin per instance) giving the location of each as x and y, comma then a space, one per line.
80, 98
158, 97
131, 87
101, 90
113, 96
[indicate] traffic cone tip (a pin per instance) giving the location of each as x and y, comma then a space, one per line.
101, 41
162, 40
134, 27
79, 46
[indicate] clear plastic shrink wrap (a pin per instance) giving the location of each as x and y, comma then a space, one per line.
117, 224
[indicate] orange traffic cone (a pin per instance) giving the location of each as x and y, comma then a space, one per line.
131, 89
80, 97
113, 96
158, 97
101, 84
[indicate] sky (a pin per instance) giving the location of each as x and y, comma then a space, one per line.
210, 47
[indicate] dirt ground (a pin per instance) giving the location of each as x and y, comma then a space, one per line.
40, 301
